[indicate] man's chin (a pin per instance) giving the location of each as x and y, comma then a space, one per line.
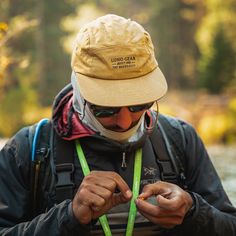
118, 130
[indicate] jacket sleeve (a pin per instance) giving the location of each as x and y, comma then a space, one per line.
214, 213
15, 195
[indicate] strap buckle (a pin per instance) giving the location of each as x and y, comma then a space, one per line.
167, 173
64, 174
169, 177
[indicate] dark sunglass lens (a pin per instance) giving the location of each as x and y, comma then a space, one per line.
102, 112
140, 107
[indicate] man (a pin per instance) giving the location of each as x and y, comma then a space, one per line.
104, 123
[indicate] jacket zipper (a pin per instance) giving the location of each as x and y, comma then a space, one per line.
123, 164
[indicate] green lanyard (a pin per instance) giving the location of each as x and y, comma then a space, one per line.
135, 190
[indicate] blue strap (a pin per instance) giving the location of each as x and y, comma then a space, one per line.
37, 130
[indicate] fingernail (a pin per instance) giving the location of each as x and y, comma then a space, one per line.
128, 193
141, 198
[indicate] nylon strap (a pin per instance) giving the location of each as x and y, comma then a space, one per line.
135, 189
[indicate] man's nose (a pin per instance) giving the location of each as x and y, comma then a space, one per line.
124, 118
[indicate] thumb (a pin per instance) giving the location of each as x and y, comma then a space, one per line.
146, 193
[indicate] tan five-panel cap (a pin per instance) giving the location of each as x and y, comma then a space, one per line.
115, 65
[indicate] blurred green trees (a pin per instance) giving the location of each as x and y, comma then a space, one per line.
218, 67
216, 40
194, 40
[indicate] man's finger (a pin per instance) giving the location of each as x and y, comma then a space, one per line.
154, 209
120, 183
101, 191
169, 204
146, 193
89, 199
147, 207
155, 189
118, 198
164, 221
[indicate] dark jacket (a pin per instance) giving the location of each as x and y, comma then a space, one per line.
213, 214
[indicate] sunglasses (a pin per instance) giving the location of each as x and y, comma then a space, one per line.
102, 112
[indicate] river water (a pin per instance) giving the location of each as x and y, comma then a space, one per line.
224, 160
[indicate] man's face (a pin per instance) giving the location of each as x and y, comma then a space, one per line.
119, 119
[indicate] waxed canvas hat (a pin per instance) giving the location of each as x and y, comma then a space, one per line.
115, 64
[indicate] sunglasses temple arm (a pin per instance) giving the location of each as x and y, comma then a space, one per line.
154, 123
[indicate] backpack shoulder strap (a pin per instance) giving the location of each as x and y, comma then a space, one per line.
176, 135
39, 137
64, 168
52, 163
168, 140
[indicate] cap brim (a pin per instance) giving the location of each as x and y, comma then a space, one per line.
124, 92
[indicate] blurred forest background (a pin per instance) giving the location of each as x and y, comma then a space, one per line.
195, 47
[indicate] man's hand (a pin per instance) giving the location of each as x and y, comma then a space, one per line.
172, 203
96, 195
